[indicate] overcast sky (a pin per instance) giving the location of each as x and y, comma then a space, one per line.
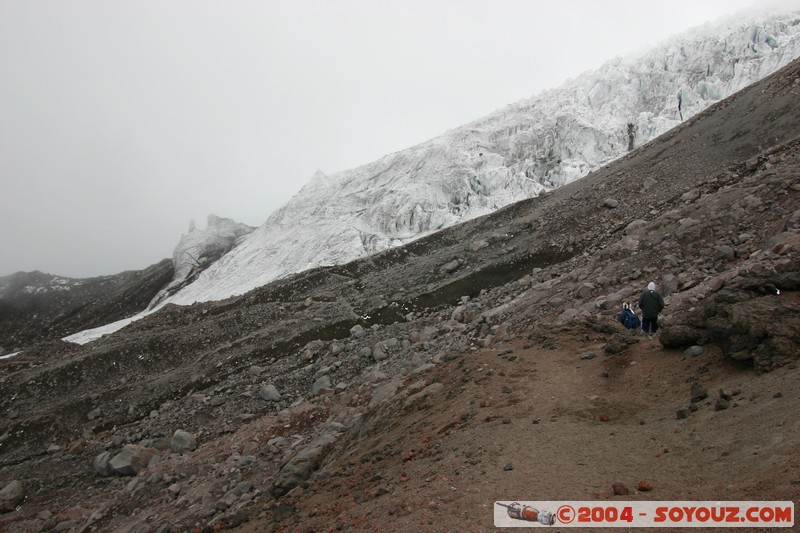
121, 121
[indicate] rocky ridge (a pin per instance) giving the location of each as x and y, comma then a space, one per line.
36, 307
318, 401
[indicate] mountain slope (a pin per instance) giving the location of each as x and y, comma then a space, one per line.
35, 306
375, 394
515, 153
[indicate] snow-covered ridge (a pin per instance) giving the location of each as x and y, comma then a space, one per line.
56, 284
515, 153
37, 283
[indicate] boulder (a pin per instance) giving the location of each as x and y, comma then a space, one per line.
782, 243
610, 203
378, 353
269, 393
693, 351
451, 267
765, 329
584, 291
255, 371
699, 393
415, 399
616, 299
678, 335
131, 460
463, 314
384, 392
620, 342
304, 463
427, 333
474, 246
100, 464
746, 318
635, 227
501, 333
724, 253
183, 441
690, 196
322, 383
792, 223
65, 525
11, 496
669, 285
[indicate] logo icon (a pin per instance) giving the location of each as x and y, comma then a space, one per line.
529, 514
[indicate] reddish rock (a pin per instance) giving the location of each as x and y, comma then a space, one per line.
604, 418
77, 447
410, 455
620, 489
644, 486
502, 334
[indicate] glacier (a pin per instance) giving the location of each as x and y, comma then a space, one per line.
517, 152
198, 249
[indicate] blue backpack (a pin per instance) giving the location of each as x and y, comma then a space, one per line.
628, 318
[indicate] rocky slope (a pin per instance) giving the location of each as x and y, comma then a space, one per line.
413, 388
35, 306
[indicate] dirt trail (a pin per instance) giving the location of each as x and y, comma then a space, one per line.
534, 428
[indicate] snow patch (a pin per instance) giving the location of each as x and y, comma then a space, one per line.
89, 335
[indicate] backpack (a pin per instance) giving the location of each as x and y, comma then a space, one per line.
628, 318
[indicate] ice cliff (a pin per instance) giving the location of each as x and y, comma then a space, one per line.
200, 248
546, 141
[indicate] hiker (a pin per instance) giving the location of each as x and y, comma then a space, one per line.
651, 303
628, 318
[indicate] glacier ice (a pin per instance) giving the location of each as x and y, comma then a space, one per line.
543, 142
198, 249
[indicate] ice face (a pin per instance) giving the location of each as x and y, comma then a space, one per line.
543, 142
